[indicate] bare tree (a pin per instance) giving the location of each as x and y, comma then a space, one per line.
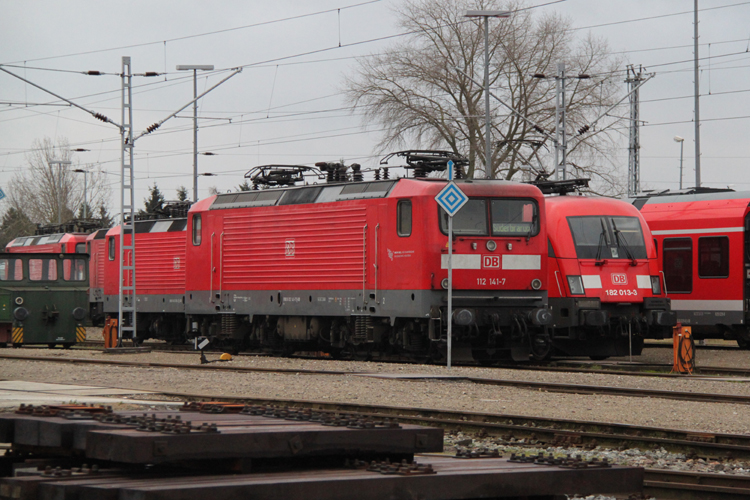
421, 92
46, 188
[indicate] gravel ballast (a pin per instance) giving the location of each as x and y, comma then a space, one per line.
420, 393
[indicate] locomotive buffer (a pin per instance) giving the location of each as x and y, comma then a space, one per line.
450, 199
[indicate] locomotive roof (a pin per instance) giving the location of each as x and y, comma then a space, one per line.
326, 193
154, 226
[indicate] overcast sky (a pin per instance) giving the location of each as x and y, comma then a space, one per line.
286, 107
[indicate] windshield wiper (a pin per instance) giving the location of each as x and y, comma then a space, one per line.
602, 242
621, 243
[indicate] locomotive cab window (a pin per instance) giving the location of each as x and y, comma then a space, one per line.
514, 218
677, 255
74, 270
111, 246
403, 225
197, 229
80, 247
607, 237
42, 269
471, 220
713, 257
11, 269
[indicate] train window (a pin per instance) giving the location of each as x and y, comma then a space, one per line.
713, 257
627, 231
74, 270
598, 237
470, 220
403, 226
42, 269
80, 247
677, 255
514, 218
197, 229
11, 269
111, 245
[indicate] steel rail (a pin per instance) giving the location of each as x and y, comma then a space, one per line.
635, 369
536, 430
680, 485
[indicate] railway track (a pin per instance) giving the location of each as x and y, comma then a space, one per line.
521, 384
682, 485
566, 366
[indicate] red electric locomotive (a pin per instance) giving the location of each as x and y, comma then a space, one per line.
49, 243
704, 240
97, 250
605, 289
354, 268
160, 277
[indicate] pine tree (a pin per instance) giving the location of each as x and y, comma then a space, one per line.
104, 216
156, 202
14, 224
245, 186
182, 193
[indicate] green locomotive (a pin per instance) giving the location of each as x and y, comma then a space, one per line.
43, 298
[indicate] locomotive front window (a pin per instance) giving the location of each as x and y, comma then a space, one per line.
514, 218
42, 269
471, 220
11, 269
80, 247
598, 237
74, 270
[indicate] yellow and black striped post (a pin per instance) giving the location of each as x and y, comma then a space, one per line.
80, 334
17, 335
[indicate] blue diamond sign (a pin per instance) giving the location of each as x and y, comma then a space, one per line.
451, 198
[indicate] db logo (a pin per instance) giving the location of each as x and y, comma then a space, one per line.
289, 246
491, 261
619, 279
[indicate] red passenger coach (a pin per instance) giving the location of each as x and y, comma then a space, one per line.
605, 289
360, 268
160, 277
704, 247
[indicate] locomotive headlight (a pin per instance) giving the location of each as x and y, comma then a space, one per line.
20, 313
536, 284
444, 283
491, 245
19, 301
655, 285
576, 285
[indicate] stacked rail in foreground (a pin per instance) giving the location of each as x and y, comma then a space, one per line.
237, 451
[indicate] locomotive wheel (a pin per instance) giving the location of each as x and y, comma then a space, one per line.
483, 357
744, 343
3, 345
541, 347
51, 345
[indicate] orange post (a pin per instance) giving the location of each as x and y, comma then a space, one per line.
110, 333
684, 349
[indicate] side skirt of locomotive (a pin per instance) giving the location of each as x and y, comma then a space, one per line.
489, 326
